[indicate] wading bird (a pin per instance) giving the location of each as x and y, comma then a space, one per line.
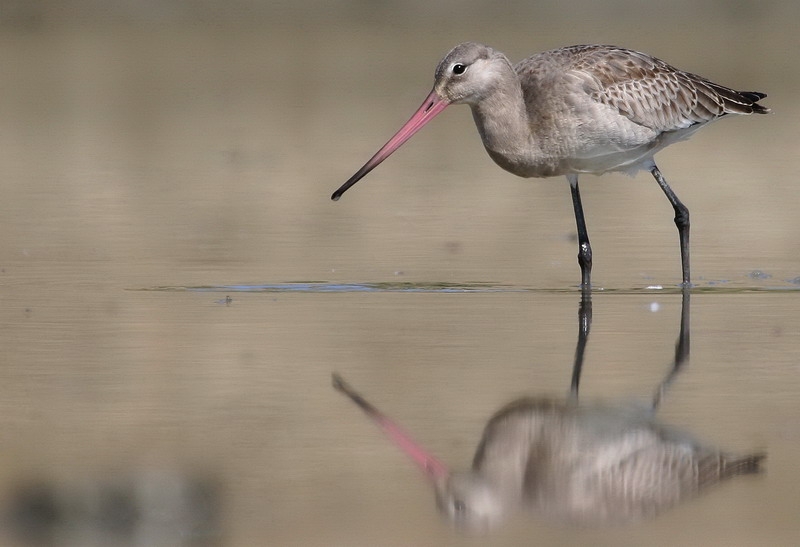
574, 110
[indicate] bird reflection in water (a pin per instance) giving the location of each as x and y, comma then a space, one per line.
580, 464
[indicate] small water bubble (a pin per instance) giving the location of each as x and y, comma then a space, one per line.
758, 274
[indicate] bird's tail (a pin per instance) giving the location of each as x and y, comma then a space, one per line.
754, 97
737, 102
730, 467
719, 466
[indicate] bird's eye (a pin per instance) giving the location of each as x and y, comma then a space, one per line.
459, 68
459, 507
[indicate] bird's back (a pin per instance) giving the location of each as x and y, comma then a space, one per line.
598, 464
637, 475
643, 88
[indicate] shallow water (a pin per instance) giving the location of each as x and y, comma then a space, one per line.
178, 288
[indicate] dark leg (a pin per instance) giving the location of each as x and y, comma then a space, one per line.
584, 325
682, 349
584, 248
681, 221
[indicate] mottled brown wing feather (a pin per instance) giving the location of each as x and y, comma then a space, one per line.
654, 94
662, 474
648, 481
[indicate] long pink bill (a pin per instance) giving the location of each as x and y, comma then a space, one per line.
432, 467
430, 108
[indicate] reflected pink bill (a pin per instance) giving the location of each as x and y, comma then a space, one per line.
431, 466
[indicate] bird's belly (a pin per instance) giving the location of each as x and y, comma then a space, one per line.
598, 149
630, 161
628, 152
595, 161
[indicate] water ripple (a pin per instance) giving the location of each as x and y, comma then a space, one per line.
446, 287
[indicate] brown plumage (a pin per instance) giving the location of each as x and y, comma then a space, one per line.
651, 92
574, 463
573, 110
585, 465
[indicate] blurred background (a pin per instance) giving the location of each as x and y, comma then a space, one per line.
163, 162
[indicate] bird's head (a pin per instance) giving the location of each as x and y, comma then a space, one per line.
470, 72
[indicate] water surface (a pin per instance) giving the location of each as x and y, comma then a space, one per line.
177, 287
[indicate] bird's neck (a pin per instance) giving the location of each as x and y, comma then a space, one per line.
504, 464
504, 126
